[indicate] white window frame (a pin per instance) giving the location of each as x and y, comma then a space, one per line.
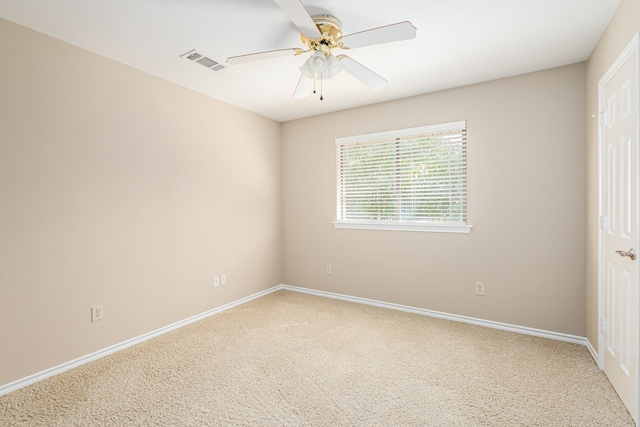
429, 226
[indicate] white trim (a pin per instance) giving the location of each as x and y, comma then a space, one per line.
442, 127
31, 379
601, 223
438, 314
592, 350
390, 225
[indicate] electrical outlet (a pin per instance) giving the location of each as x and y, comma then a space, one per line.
96, 313
216, 281
328, 269
223, 279
480, 288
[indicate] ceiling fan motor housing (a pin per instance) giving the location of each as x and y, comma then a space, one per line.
331, 34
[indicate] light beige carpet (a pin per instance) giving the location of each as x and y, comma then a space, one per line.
292, 359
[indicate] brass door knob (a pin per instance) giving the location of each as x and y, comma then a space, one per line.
631, 253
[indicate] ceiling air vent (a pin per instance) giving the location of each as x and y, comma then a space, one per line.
194, 56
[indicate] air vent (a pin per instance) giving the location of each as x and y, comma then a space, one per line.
206, 62
194, 56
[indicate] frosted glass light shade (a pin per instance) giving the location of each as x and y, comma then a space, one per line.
318, 62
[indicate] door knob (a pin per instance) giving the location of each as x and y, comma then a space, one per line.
630, 253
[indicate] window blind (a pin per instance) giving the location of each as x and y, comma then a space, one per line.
416, 175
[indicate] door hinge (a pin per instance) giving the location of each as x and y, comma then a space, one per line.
602, 222
601, 117
603, 325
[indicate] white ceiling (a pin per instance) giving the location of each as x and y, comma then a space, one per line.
459, 42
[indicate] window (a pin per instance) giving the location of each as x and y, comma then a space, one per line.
410, 179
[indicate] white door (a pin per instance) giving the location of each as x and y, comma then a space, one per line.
619, 242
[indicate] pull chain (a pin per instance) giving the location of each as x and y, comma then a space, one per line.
315, 77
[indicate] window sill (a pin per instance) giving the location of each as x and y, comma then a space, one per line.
433, 228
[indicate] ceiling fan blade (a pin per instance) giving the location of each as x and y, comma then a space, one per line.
299, 16
389, 33
362, 73
303, 88
241, 59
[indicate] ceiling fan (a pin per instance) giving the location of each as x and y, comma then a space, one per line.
321, 34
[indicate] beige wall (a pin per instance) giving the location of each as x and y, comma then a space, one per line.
526, 184
623, 26
125, 190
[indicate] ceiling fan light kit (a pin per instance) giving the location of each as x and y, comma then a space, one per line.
334, 66
321, 34
318, 62
321, 66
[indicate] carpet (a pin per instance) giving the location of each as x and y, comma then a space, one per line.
292, 359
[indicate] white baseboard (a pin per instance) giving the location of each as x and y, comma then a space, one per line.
593, 352
39, 376
31, 379
424, 312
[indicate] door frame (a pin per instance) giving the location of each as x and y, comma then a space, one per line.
631, 48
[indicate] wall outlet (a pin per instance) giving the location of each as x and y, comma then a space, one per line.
327, 269
96, 313
480, 288
223, 279
216, 281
